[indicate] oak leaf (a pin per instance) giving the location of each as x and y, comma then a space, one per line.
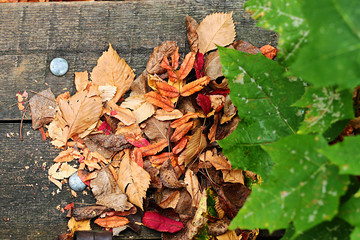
181, 131
159, 101
193, 187
113, 70
133, 180
194, 86
163, 115
215, 29
112, 221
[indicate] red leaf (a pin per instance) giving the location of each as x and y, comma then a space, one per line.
204, 102
105, 127
136, 141
199, 64
113, 112
219, 91
69, 206
161, 223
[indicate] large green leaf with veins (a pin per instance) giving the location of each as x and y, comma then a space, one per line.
302, 188
345, 154
332, 55
263, 97
286, 18
325, 107
350, 210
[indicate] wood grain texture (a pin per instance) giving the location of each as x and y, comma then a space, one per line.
31, 35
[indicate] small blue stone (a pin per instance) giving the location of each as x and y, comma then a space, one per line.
59, 66
75, 183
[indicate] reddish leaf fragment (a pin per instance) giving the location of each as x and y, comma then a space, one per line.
105, 127
161, 158
219, 91
137, 141
160, 101
183, 119
181, 131
161, 223
204, 102
199, 64
112, 222
132, 210
180, 146
136, 155
175, 59
154, 148
69, 206
187, 65
268, 51
43, 134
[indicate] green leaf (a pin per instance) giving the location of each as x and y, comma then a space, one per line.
302, 188
286, 18
350, 210
331, 56
263, 97
336, 229
325, 107
335, 129
355, 235
345, 154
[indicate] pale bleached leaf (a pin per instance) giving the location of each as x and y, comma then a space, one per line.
192, 186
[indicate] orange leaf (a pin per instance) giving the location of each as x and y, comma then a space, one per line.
187, 65
170, 70
161, 158
183, 119
166, 90
136, 155
213, 128
175, 59
81, 80
66, 156
154, 148
112, 222
163, 115
160, 101
268, 51
123, 114
194, 86
180, 146
181, 131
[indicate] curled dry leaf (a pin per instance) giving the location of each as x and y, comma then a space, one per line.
113, 70
212, 131
196, 144
81, 80
123, 114
42, 108
269, 51
194, 86
177, 123
170, 199
191, 26
200, 218
229, 110
159, 101
192, 186
180, 145
133, 180
161, 223
166, 49
168, 176
112, 222
245, 47
181, 131
212, 67
217, 102
154, 148
215, 29
217, 160
233, 176
163, 115
88, 212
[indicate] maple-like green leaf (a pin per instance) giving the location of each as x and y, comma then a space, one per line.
331, 56
335, 229
345, 155
350, 210
302, 188
325, 107
263, 97
286, 18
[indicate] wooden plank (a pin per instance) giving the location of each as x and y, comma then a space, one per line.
31, 35
28, 200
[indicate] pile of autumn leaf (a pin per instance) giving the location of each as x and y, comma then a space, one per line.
158, 144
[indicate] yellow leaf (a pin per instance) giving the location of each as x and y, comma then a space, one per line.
134, 179
113, 70
82, 225
79, 112
216, 29
229, 235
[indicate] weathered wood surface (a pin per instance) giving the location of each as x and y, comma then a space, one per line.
31, 35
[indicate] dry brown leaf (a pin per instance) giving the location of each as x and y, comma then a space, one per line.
168, 176
56, 182
113, 70
92, 163
151, 81
229, 110
194, 86
217, 102
170, 199
123, 114
122, 130
212, 65
233, 176
154, 148
180, 145
196, 144
88, 212
159, 159
112, 221
82, 225
229, 235
107, 191
65, 171
163, 115
156, 130
212, 131
67, 155
181, 131
159, 101
225, 130
245, 47
133, 180
81, 80
191, 26
218, 161
192, 186
166, 90
133, 102
79, 112
42, 106
65, 95
177, 123
145, 111
215, 29
139, 85
166, 49
99, 157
